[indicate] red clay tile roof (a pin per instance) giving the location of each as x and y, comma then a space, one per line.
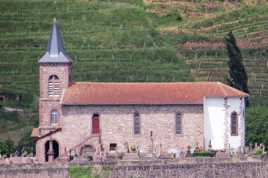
93, 93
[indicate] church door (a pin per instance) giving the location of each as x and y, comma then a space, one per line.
51, 149
95, 124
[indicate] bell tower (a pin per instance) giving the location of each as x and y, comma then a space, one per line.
54, 77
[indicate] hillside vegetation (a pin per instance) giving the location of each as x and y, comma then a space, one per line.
126, 40
200, 38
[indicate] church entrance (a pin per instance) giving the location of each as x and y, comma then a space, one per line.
51, 150
95, 124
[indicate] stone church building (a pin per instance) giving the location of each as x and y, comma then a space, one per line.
153, 118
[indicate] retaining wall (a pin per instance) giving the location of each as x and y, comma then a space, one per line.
145, 169
34, 171
200, 170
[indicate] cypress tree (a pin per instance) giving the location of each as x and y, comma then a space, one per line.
237, 74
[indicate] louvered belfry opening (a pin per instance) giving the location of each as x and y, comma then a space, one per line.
54, 86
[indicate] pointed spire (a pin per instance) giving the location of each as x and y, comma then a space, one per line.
55, 44
55, 49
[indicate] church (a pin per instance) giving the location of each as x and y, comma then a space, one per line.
76, 118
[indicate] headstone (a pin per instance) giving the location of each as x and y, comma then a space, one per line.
222, 154
131, 156
250, 147
188, 153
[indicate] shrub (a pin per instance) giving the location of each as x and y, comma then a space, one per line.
26, 144
7, 147
256, 125
204, 154
259, 152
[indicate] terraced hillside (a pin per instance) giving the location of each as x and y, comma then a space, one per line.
204, 26
126, 40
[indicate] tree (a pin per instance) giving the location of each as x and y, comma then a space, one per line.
256, 125
7, 147
26, 144
237, 74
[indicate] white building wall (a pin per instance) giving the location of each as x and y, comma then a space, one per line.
238, 105
217, 116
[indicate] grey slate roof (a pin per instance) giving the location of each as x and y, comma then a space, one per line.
55, 49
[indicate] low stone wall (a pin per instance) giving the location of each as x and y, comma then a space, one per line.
200, 170
196, 168
34, 171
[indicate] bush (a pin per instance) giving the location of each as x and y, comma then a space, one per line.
259, 152
7, 147
26, 144
256, 125
204, 154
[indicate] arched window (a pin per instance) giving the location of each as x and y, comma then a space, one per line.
178, 123
54, 88
54, 117
136, 123
234, 124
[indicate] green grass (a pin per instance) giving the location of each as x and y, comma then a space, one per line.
80, 172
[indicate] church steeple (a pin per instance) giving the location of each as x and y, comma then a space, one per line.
55, 49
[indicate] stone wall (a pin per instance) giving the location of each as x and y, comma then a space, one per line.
189, 170
34, 171
198, 168
223, 170
48, 103
116, 124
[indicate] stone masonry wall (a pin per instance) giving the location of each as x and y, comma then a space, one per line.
116, 124
203, 170
34, 171
153, 169
61, 70
47, 104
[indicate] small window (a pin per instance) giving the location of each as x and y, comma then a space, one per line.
54, 117
54, 86
151, 133
113, 146
234, 124
95, 123
178, 124
137, 123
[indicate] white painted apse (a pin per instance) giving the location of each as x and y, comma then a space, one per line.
217, 117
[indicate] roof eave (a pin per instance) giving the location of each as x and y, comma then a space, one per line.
61, 58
